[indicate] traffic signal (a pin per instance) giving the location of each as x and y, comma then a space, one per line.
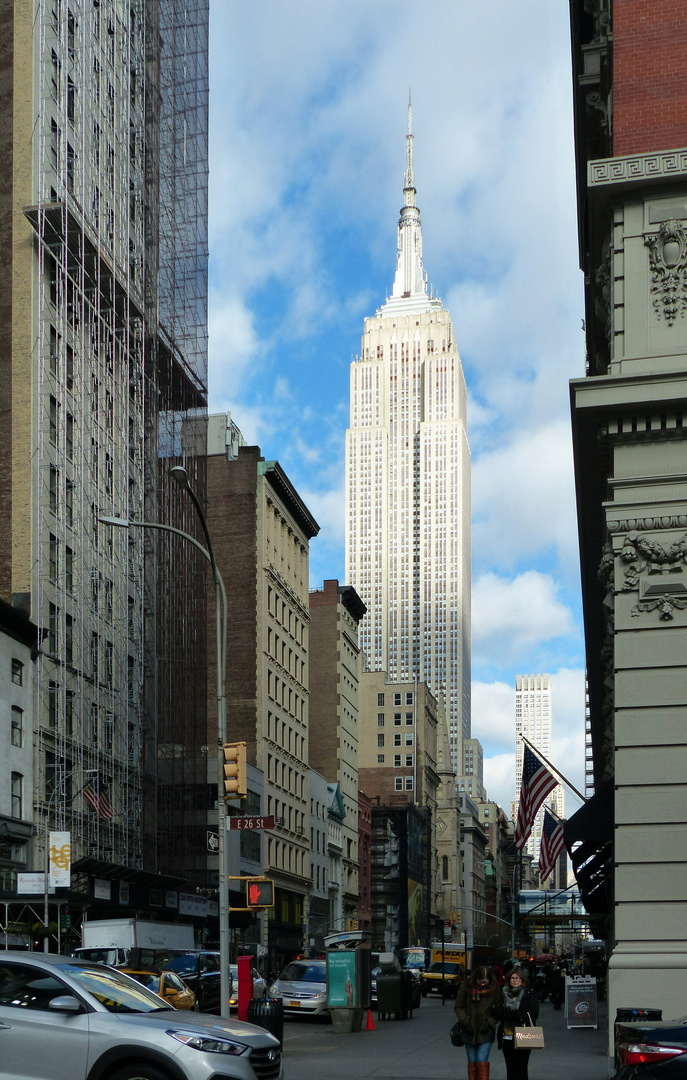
235, 770
259, 893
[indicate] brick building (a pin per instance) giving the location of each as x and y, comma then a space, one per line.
335, 611
262, 530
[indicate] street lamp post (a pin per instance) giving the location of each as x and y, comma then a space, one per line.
181, 478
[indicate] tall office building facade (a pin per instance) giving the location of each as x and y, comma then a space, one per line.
103, 240
533, 719
408, 485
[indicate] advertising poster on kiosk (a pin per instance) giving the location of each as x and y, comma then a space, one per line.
580, 1002
341, 979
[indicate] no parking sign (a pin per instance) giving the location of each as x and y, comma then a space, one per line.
580, 1002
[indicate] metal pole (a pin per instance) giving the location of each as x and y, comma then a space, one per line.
181, 477
221, 645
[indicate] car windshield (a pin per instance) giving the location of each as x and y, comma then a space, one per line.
449, 968
413, 958
299, 972
117, 992
145, 978
183, 965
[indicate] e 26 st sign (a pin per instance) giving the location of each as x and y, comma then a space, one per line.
243, 822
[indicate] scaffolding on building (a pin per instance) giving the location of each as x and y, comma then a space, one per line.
119, 353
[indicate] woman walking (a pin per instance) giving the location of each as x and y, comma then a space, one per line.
520, 1009
478, 1008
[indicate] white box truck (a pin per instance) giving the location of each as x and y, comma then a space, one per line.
123, 942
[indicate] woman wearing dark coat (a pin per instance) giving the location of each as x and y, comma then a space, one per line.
520, 1009
478, 1008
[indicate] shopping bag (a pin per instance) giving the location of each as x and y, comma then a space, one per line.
456, 1037
529, 1038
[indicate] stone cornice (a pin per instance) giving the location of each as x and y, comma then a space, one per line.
634, 168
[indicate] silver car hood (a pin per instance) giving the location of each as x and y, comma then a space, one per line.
202, 1023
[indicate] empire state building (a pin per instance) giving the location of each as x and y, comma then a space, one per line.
408, 484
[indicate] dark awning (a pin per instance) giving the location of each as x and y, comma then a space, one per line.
589, 839
116, 872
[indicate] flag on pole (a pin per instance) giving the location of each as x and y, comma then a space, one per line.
97, 795
535, 785
552, 844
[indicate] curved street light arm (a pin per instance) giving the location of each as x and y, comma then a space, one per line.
221, 632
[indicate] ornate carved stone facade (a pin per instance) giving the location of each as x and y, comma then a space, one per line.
630, 446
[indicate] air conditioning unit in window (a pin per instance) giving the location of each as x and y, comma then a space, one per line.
279, 821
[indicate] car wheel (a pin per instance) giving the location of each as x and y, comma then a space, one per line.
140, 1072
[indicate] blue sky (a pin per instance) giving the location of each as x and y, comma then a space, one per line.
307, 151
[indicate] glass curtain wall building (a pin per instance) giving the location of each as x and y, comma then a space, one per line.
103, 231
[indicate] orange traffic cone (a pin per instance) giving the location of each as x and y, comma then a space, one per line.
370, 1026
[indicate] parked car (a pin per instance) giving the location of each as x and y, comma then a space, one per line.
302, 986
68, 1019
259, 985
441, 978
652, 1050
201, 972
167, 985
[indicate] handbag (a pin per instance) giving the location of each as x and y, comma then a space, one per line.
529, 1038
456, 1035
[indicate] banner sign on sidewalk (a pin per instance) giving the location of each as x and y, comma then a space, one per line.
580, 1002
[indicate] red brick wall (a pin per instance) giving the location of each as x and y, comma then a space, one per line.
649, 76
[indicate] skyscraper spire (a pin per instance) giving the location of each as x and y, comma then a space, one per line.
409, 151
409, 292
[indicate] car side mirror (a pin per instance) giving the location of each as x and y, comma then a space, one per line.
65, 1003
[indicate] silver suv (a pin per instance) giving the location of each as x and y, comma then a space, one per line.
67, 1019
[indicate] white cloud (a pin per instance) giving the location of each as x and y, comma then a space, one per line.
523, 497
510, 617
493, 714
499, 779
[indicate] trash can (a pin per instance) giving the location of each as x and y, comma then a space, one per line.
268, 1013
389, 994
630, 1016
394, 989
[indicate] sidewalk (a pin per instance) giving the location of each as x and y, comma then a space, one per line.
420, 1049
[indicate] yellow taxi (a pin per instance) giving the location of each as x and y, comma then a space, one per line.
167, 985
443, 979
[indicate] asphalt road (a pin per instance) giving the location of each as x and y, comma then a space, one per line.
420, 1049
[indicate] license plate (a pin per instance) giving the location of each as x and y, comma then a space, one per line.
295, 1004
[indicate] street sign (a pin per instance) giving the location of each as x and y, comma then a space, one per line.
242, 822
213, 841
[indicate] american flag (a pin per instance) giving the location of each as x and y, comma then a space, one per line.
536, 784
552, 844
97, 795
